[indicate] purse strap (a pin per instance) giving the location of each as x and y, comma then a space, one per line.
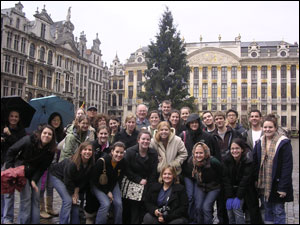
104, 166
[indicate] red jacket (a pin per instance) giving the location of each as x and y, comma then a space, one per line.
11, 179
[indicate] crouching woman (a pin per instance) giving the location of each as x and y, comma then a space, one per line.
69, 177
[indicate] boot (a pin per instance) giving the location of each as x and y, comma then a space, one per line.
43, 213
90, 217
49, 208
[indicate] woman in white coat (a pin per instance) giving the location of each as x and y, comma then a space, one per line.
170, 148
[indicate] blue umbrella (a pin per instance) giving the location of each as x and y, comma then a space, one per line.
45, 106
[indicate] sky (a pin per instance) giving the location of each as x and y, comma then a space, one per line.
125, 26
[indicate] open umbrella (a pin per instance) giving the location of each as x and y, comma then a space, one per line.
9, 103
45, 106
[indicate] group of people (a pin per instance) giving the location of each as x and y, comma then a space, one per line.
178, 164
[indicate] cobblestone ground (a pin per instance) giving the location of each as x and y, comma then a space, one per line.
292, 208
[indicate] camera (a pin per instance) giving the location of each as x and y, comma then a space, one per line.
164, 210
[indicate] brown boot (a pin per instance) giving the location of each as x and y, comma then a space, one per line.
43, 213
49, 208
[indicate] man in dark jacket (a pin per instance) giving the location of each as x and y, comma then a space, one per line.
232, 118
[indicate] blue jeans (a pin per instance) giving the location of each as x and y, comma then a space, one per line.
29, 211
104, 201
189, 187
69, 212
204, 202
236, 216
7, 208
274, 213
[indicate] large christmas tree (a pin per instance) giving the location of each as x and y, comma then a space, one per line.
167, 73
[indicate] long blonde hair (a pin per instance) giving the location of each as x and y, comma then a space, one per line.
160, 125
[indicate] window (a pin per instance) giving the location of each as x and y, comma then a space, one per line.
32, 50
130, 92
234, 106
244, 72
43, 30
204, 91
293, 71
283, 90
244, 91
264, 89
50, 56
283, 72
214, 92
214, 107
67, 64
42, 53
254, 73
196, 74
223, 107
283, 121
114, 100
214, 73
139, 75
253, 91
264, 108
49, 80
234, 72
253, 107
16, 42
30, 74
204, 73
14, 65
21, 68
293, 107
18, 23
223, 91
244, 107
120, 84
204, 107
130, 78
5, 88
13, 88
23, 45
293, 90
115, 84
7, 64
224, 73
40, 79
274, 107
274, 72
9, 39
274, 90
57, 82
283, 107
77, 78
20, 89
120, 99
293, 121
58, 62
196, 90
234, 91
264, 72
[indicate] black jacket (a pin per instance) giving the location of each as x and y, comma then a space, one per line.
128, 140
138, 168
98, 150
178, 201
67, 172
114, 175
36, 160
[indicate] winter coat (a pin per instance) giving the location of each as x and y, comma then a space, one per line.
16, 134
239, 128
128, 140
190, 137
114, 175
138, 168
35, 159
281, 171
178, 201
98, 149
174, 155
247, 137
68, 173
72, 142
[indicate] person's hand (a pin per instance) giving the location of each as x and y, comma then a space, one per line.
229, 203
110, 196
75, 196
161, 219
236, 204
6, 131
2, 139
157, 213
33, 184
143, 182
281, 194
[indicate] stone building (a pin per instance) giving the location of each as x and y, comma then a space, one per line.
42, 57
234, 74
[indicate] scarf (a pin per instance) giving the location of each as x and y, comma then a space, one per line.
266, 165
198, 167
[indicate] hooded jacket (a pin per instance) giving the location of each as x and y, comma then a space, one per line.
175, 153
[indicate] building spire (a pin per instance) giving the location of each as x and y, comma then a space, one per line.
69, 14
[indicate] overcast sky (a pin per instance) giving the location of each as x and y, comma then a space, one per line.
123, 27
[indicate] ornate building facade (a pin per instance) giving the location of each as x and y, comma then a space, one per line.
41, 58
234, 74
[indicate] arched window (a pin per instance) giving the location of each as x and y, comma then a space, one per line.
40, 79
32, 50
50, 56
42, 53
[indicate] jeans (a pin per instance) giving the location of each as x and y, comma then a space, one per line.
274, 213
105, 203
69, 212
48, 186
236, 216
7, 208
189, 187
204, 202
29, 211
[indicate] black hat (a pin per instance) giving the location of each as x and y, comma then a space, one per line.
92, 108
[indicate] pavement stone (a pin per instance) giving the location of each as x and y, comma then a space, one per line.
292, 208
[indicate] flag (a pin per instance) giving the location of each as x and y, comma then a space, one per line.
83, 105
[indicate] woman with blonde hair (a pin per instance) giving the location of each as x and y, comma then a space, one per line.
166, 201
170, 148
128, 135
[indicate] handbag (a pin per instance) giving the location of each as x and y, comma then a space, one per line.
103, 177
131, 190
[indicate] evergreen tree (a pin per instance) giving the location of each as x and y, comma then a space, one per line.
167, 73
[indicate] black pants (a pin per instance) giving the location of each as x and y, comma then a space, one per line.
149, 219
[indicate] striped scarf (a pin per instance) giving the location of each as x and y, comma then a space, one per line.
266, 165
